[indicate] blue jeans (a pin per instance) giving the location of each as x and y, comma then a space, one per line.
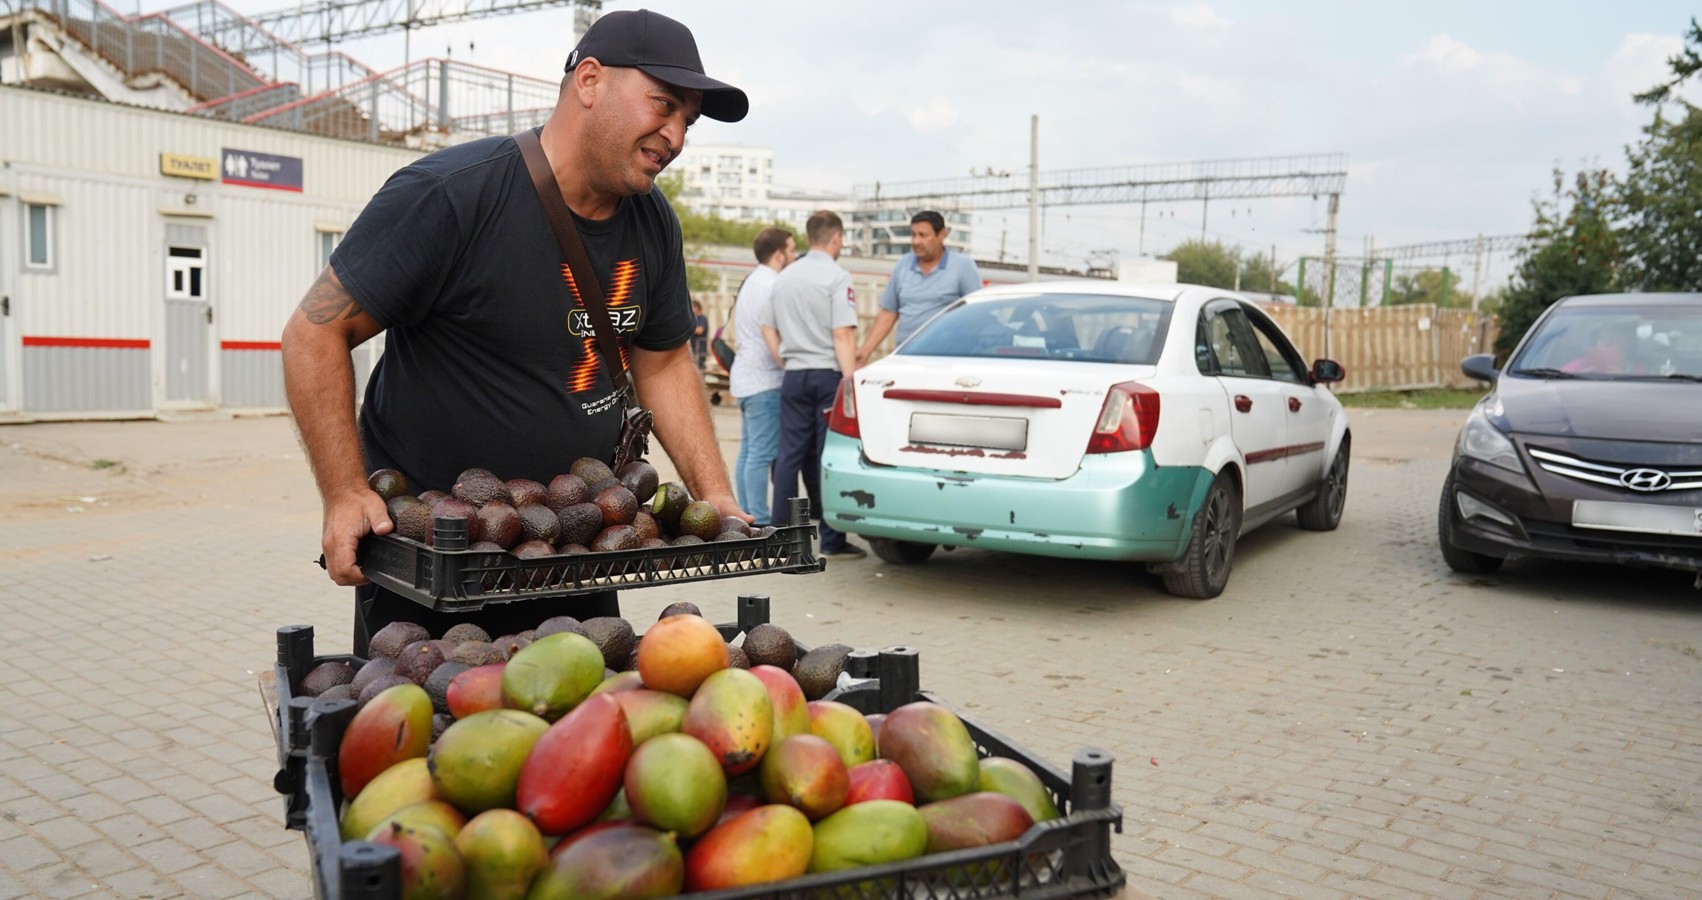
759, 443
805, 397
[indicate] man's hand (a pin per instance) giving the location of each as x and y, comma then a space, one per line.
729, 507
862, 358
348, 518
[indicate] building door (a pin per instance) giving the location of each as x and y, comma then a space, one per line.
188, 316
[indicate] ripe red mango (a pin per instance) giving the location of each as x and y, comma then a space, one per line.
805, 771
621, 862
732, 715
394, 726
791, 715
575, 769
878, 779
768, 843
649, 713
475, 690
932, 746
973, 820
739, 803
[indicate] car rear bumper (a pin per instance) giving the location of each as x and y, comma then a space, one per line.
1117, 506
1509, 518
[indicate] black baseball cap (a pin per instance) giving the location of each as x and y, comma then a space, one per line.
663, 49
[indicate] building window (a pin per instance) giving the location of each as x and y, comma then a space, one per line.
184, 267
38, 236
328, 241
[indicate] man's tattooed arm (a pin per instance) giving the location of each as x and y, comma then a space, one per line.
326, 301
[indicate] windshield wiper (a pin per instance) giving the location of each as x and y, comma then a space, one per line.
1675, 376
1544, 373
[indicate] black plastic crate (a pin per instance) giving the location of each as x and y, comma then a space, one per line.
448, 577
1066, 857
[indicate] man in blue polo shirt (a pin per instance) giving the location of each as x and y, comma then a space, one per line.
925, 281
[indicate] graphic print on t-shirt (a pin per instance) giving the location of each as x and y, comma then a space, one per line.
626, 315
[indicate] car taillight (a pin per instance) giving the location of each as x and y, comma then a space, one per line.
1128, 420
842, 417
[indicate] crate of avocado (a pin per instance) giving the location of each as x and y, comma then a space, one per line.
590, 529
722, 760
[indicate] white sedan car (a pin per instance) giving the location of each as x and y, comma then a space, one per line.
1091, 421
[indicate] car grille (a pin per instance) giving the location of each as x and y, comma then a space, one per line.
1638, 479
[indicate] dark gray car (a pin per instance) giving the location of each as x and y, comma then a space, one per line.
1590, 445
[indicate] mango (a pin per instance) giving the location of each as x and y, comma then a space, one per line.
649, 713
806, 772
768, 843
932, 746
621, 862
476, 762
552, 675
426, 813
843, 727
1017, 781
617, 810
878, 779
739, 803
674, 783
973, 820
394, 726
620, 681
432, 868
574, 770
790, 714
679, 652
867, 834
503, 852
475, 690
731, 714
406, 782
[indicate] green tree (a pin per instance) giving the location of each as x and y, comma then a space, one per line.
1440, 287
1256, 275
1206, 262
1660, 198
699, 231
1573, 250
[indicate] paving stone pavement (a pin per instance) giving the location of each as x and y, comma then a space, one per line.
1348, 720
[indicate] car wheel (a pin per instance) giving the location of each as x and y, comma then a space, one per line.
1324, 512
1458, 559
903, 553
1203, 571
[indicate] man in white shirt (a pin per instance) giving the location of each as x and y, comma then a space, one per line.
756, 375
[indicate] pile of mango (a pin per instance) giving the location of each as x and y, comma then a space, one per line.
559, 778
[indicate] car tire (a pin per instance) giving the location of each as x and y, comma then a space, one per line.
903, 553
1324, 512
1460, 560
1203, 571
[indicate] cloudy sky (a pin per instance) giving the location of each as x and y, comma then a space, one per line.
1453, 114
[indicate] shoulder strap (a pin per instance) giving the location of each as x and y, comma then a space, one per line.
578, 261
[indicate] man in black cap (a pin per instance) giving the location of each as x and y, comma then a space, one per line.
490, 359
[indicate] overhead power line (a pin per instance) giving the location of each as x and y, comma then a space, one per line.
328, 21
1499, 243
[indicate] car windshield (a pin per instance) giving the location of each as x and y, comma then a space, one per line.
1624, 342
1077, 327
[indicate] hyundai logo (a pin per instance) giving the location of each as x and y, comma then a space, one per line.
1645, 479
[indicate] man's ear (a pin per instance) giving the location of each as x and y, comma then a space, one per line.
585, 79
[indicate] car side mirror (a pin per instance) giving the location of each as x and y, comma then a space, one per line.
1480, 366
1327, 371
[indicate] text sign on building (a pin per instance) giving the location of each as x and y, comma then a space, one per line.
189, 166
263, 170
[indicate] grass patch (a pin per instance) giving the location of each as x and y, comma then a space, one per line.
1428, 398
104, 463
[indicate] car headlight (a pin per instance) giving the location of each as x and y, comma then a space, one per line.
1482, 441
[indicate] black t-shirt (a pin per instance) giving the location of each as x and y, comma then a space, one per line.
489, 358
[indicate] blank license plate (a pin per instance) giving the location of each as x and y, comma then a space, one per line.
990, 432
1647, 518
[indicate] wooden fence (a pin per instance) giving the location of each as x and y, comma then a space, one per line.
1382, 347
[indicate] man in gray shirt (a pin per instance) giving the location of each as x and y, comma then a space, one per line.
811, 326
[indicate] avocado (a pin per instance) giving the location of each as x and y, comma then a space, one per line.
618, 504
477, 490
378, 686
538, 523
388, 483
579, 523
437, 684
818, 671
557, 624
476, 653
614, 639
770, 645
510, 644
680, 608
736, 658
417, 660
498, 523
700, 518
411, 516
325, 676
339, 692
377, 667
640, 477
433, 495
667, 503
590, 470
525, 491
566, 490
615, 537
390, 639
466, 631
